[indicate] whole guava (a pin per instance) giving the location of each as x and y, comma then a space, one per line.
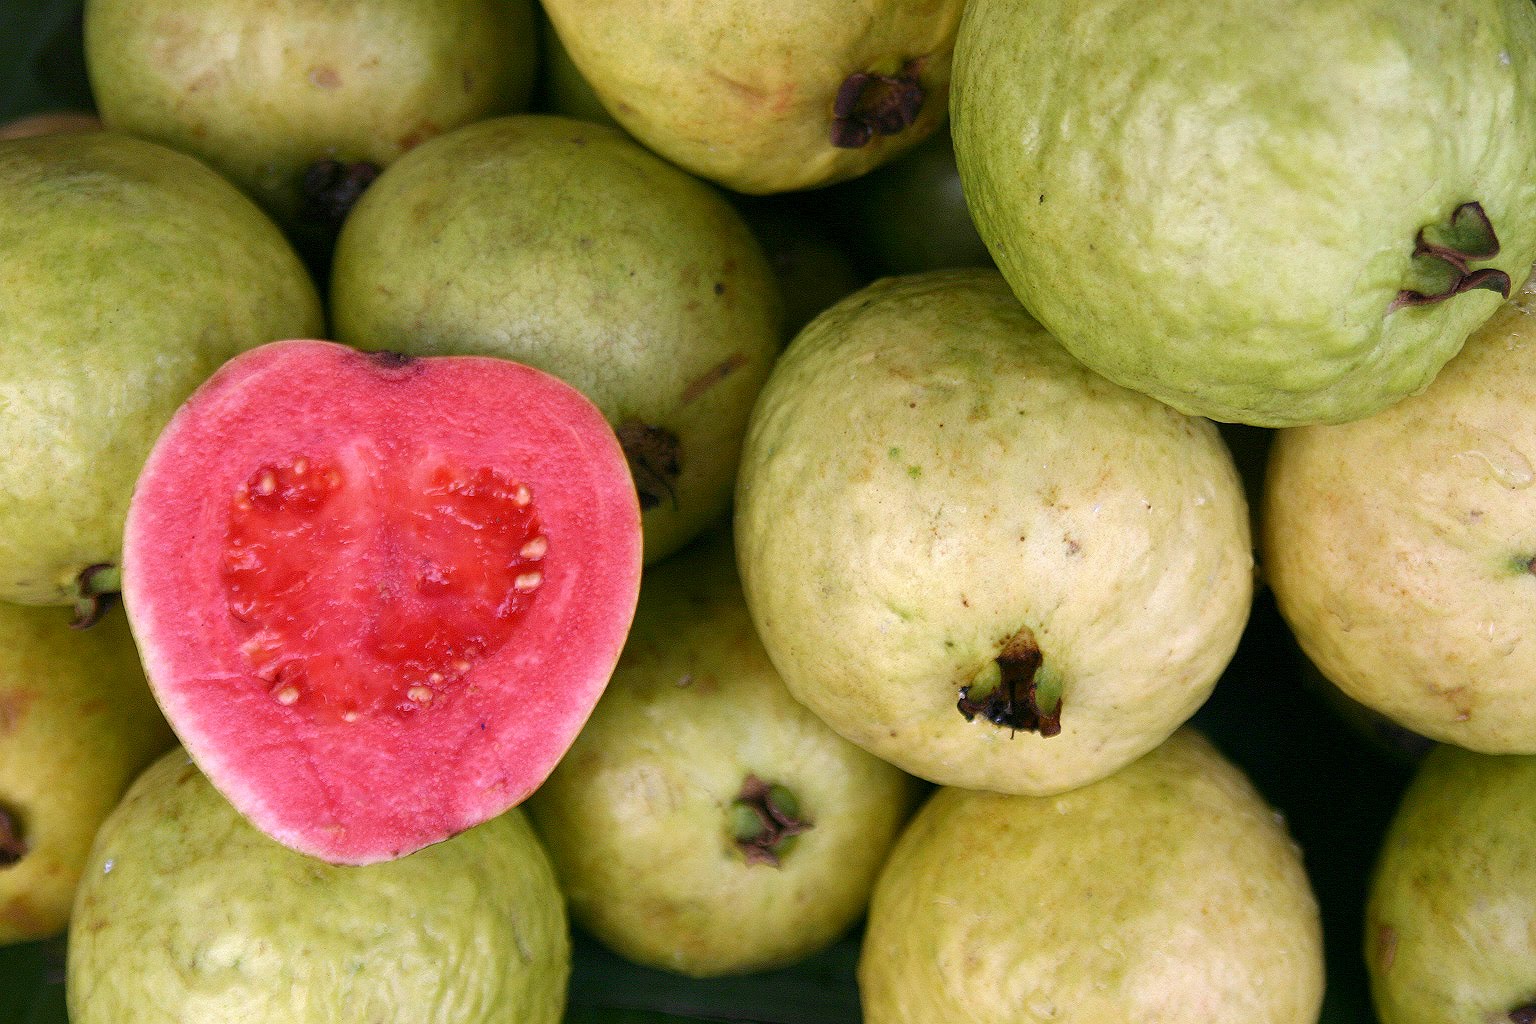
1167, 892
766, 97
1274, 213
977, 558
705, 822
565, 245
187, 913
1401, 548
288, 97
1449, 937
131, 272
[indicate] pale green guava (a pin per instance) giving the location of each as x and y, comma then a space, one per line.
1449, 932
77, 725
1274, 213
704, 821
1401, 548
264, 90
131, 273
188, 913
766, 97
1168, 892
975, 557
565, 245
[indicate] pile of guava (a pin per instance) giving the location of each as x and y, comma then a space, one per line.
618, 512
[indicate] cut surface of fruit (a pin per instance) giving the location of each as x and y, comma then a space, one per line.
377, 597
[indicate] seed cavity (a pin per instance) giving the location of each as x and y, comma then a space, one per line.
764, 818
1442, 254
868, 105
1012, 696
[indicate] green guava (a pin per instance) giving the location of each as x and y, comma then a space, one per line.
766, 97
301, 103
1167, 892
131, 273
187, 913
1401, 548
565, 245
1449, 933
975, 557
704, 821
1274, 213
77, 724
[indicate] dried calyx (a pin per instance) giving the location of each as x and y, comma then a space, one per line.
95, 588
1442, 254
12, 846
868, 105
1523, 1015
763, 818
1016, 701
655, 456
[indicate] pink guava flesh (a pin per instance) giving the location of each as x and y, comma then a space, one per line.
376, 598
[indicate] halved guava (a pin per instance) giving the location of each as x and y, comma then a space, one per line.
378, 596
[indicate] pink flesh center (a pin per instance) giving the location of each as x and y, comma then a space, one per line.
366, 585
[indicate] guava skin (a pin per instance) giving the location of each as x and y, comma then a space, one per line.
744, 93
77, 725
1218, 204
1448, 925
263, 89
565, 245
1167, 892
133, 273
930, 481
1399, 547
638, 816
51, 122
188, 913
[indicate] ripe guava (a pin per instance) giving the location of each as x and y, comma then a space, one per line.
1167, 892
187, 913
1449, 937
51, 122
766, 97
377, 596
973, 556
1401, 548
300, 103
77, 724
704, 821
1275, 213
131, 273
566, 246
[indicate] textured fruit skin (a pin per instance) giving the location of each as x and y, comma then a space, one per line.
77, 724
1399, 546
1448, 934
188, 913
357, 792
927, 472
134, 272
637, 816
1217, 203
262, 89
566, 246
1168, 892
742, 93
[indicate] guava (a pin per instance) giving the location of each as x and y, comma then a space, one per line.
704, 821
187, 913
766, 97
377, 596
976, 558
1448, 931
1276, 214
299, 103
1168, 892
1401, 548
77, 724
131, 273
565, 245
49, 122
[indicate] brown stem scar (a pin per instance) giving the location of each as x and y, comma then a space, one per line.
12, 846
868, 105
766, 817
1014, 703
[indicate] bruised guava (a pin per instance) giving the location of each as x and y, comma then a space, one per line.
377, 596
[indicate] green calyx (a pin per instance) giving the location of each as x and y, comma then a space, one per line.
1442, 254
764, 818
